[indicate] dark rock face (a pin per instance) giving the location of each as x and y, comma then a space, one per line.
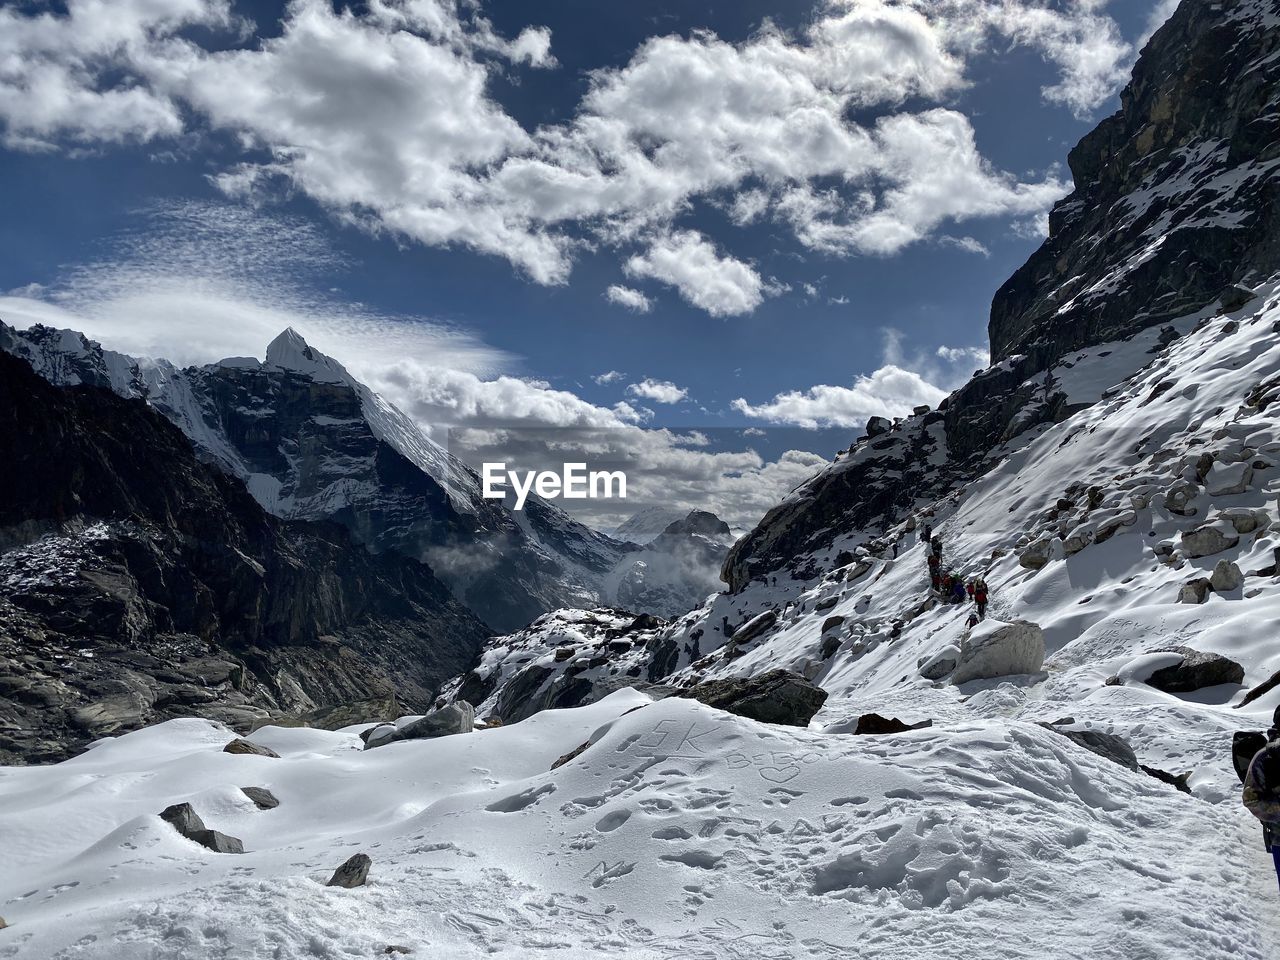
353, 873
778, 696
191, 600
1176, 203
1200, 120
1196, 670
262, 798
870, 724
313, 444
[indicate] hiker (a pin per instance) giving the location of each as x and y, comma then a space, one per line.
973, 620
928, 533
936, 544
1262, 790
935, 572
946, 584
957, 590
968, 588
980, 597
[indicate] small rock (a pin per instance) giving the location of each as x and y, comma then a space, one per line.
1194, 591
832, 622
1196, 670
870, 724
826, 604
241, 746
571, 755
262, 798
1180, 781
458, 717
396, 948
1113, 681
217, 842
183, 818
1226, 577
353, 873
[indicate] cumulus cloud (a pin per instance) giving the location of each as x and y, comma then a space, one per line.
382, 114
609, 376
659, 391
720, 285
629, 298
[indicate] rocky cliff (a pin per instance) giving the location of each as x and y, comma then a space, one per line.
138, 583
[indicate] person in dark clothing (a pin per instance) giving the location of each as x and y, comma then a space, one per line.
980, 597
1262, 790
928, 534
957, 590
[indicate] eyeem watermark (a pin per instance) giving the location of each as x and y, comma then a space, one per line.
574, 482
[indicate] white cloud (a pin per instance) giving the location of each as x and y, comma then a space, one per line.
659, 391
722, 286
610, 376
627, 297
383, 115
967, 244
888, 392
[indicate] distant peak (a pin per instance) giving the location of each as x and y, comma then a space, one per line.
289, 351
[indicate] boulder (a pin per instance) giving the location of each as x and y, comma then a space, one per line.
1226, 577
457, 717
870, 724
1243, 519
997, 649
754, 627
216, 841
1036, 554
832, 622
1194, 591
1178, 497
942, 664
778, 696
1179, 781
1195, 671
183, 818
1108, 745
243, 747
262, 798
353, 873
877, 426
825, 604
1208, 539
1224, 479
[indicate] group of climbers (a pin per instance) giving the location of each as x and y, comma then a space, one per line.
952, 588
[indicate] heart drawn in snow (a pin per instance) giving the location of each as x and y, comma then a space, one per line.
780, 774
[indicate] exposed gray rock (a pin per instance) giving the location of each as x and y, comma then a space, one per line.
997, 649
1179, 496
242, 746
1036, 554
941, 665
755, 627
1195, 591
832, 622
183, 818
1108, 745
353, 873
457, 717
877, 426
1226, 577
262, 798
1208, 539
216, 841
1197, 670
1224, 479
778, 696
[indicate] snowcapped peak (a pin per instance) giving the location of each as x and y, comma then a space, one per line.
290, 352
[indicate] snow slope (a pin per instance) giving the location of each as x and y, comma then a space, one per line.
680, 832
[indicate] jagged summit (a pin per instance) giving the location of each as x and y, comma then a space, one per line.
289, 351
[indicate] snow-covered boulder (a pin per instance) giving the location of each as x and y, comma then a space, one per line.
1179, 496
1226, 577
1195, 591
778, 696
754, 627
1195, 669
1038, 553
457, 717
1209, 538
997, 649
1224, 479
942, 664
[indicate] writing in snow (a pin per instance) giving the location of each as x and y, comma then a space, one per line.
573, 482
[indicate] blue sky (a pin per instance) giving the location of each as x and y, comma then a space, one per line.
785, 189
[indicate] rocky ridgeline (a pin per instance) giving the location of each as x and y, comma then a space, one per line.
1130, 408
313, 443
139, 584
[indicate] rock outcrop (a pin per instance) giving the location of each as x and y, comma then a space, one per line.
193, 601
995, 649
1197, 669
774, 697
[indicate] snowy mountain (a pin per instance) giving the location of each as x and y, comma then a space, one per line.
645, 524
1055, 780
138, 584
676, 570
312, 442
